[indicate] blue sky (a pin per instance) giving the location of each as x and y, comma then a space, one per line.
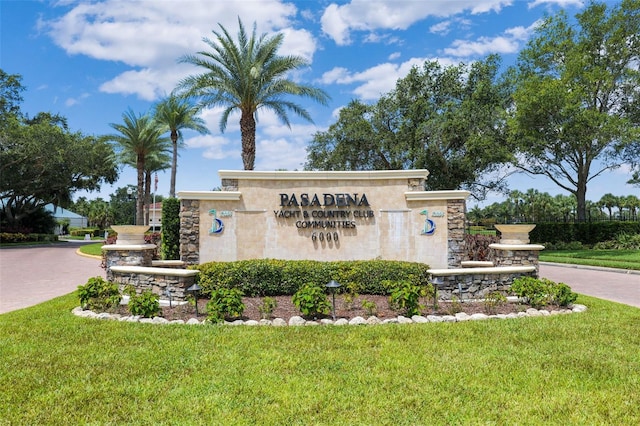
91, 61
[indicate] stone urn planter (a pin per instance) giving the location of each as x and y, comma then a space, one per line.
130, 234
514, 234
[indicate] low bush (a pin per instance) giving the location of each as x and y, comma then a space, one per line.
10, 237
493, 301
273, 277
99, 294
81, 232
405, 296
622, 241
311, 300
573, 245
225, 303
145, 304
266, 308
369, 307
539, 292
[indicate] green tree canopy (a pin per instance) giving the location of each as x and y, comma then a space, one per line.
574, 86
42, 162
245, 75
449, 120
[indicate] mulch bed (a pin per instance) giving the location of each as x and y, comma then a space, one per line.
286, 309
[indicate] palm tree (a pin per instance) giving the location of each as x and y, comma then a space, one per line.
139, 137
246, 76
177, 114
609, 201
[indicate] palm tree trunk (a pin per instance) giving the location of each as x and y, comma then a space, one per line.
147, 196
248, 132
140, 195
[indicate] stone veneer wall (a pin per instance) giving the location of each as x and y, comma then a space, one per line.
190, 231
476, 286
157, 283
128, 257
456, 223
506, 257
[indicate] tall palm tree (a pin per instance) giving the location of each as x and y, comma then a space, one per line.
138, 137
176, 114
248, 75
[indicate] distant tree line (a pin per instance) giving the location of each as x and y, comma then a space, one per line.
533, 206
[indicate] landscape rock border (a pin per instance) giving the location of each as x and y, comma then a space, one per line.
372, 320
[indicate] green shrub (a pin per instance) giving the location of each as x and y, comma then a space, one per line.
405, 297
99, 294
539, 292
170, 229
454, 306
266, 308
573, 245
350, 295
369, 307
588, 233
145, 304
622, 241
563, 296
311, 300
492, 301
536, 292
225, 303
272, 277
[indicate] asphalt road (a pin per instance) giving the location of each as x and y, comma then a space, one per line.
32, 275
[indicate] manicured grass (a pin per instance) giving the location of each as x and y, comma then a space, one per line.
569, 369
94, 249
623, 259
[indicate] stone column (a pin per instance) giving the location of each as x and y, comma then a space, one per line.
190, 231
456, 226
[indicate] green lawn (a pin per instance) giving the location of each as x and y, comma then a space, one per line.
94, 249
623, 259
571, 369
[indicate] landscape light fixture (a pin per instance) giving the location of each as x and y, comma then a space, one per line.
167, 293
333, 285
437, 282
195, 291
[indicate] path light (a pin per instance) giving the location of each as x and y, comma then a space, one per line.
436, 281
194, 290
333, 286
167, 293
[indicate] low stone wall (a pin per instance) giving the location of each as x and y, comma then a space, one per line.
157, 280
476, 283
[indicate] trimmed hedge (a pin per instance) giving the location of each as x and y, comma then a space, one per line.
586, 232
171, 229
9, 237
274, 277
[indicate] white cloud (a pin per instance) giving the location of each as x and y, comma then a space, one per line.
73, 101
561, 3
394, 56
339, 21
509, 42
150, 36
376, 80
441, 28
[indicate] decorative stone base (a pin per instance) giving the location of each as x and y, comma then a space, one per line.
476, 283
157, 280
